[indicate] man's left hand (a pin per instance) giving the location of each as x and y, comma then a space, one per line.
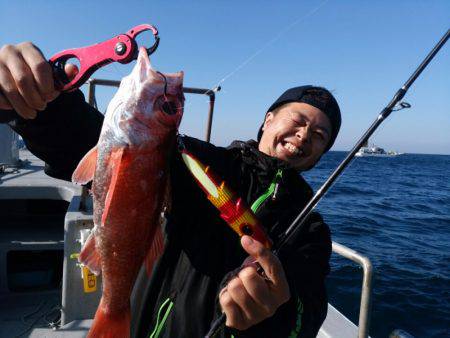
249, 298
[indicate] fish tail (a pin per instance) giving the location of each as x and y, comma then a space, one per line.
106, 325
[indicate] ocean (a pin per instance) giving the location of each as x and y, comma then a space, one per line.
395, 211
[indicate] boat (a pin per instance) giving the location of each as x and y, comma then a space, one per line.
374, 150
44, 292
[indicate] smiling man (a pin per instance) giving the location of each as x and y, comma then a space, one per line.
300, 126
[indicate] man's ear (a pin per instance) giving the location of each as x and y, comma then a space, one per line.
268, 120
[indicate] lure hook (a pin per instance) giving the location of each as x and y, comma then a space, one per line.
165, 83
167, 106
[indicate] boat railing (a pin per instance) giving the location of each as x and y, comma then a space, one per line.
211, 93
366, 289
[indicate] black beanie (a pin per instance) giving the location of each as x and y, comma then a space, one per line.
317, 97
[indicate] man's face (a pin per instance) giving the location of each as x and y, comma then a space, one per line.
297, 133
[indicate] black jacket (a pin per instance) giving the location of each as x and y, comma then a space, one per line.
180, 298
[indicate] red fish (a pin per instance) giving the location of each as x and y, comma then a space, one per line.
129, 170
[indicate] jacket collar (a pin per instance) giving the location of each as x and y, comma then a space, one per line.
269, 166
252, 155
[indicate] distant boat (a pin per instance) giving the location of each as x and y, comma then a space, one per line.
375, 151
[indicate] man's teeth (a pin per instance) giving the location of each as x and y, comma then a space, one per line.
293, 149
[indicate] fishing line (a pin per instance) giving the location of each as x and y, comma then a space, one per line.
270, 42
36, 320
247, 61
121, 73
265, 46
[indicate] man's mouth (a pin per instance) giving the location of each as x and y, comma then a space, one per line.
292, 149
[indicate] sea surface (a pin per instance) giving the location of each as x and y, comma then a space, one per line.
396, 211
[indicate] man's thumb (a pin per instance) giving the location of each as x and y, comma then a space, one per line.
71, 70
266, 259
251, 246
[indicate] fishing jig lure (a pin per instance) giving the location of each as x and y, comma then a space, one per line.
233, 209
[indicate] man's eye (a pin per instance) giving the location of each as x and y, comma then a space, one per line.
298, 121
319, 135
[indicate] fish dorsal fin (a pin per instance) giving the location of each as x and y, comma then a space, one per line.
84, 173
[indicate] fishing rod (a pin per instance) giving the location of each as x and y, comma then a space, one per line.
394, 105
301, 219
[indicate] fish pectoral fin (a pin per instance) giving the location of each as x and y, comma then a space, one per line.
84, 173
116, 160
90, 257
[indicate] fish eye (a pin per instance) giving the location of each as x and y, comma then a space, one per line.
169, 104
169, 107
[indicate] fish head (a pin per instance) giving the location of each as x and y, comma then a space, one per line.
161, 94
148, 103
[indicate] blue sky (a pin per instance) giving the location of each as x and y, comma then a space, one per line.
361, 50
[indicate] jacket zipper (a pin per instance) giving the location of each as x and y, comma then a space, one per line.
271, 191
159, 325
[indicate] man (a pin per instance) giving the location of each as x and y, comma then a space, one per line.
189, 287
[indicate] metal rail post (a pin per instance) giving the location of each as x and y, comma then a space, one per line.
366, 290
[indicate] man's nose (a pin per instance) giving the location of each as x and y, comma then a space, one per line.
304, 133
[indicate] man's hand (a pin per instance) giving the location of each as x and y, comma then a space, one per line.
249, 298
26, 79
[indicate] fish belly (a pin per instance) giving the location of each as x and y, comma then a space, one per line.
130, 218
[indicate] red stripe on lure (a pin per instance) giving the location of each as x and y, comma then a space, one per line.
232, 208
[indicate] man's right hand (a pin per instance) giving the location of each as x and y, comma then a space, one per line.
26, 79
